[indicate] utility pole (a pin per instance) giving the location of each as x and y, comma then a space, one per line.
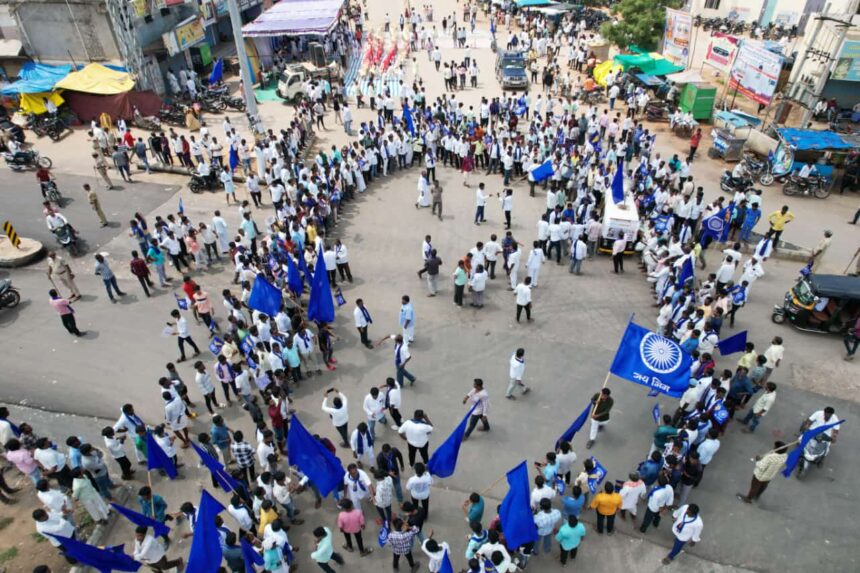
841, 31
244, 72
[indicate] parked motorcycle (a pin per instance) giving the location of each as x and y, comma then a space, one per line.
233, 102
9, 295
46, 124
761, 169
212, 105
806, 186
26, 160
813, 454
656, 111
198, 183
172, 115
68, 238
731, 185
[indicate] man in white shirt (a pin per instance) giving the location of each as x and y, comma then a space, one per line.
339, 414
357, 485
725, 273
492, 250
149, 551
822, 418
478, 284
417, 432
523, 293
686, 529
480, 399
480, 204
362, 321
659, 501
48, 524
374, 409
517, 369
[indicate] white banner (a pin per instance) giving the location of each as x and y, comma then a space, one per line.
755, 72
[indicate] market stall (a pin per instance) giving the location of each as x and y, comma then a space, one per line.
834, 155
97, 89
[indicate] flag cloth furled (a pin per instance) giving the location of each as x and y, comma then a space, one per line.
515, 513
217, 72
181, 208
618, 184
655, 413
794, 457
104, 560
650, 359
407, 119
732, 344
158, 528
543, 171
265, 297
446, 566
303, 266
688, 272
294, 278
225, 480
444, 460
156, 459
575, 426
251, 557
313, 458
320, 303
206, 552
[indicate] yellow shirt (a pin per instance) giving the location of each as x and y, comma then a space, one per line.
778, 219
606, 503
748, 360
266, 517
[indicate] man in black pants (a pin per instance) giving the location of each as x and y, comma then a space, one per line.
618, 253
416, 432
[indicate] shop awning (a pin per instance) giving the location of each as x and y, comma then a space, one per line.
532, 3
805, 139
295, 18
652, 64
97, 79
36, 78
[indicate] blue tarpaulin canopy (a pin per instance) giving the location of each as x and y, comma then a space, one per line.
37, 78
803, 139
649, 80
532, 3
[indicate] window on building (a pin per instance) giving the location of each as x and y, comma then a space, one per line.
712, 4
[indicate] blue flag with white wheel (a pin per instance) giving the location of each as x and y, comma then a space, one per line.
596, 476
652, 360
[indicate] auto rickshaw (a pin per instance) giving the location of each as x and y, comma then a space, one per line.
821, 303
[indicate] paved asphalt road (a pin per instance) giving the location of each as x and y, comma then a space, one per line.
22, 204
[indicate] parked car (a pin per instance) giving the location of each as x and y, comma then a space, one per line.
511, 70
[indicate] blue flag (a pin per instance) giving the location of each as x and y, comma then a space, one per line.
515, 513
618, 184
181, 207
560, 486
217, 72
206, 553
446, 566
224, 480
320, 303
313, 458
716, 227
182, 303
382, 537
105, 560
265, 297
444, 460
136, 518
794, 457
687, 271
294, 279
407, 119
303, 266
732, 344
251, 557
156, 459
233, 158
655, 413
216, 344
596, 476
650, 359
575, 427
543, 171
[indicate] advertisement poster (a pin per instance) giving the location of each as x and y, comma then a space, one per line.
721, 51
755, 72
189, 33
848, 63
676, 36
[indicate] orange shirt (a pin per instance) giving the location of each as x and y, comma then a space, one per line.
606, 503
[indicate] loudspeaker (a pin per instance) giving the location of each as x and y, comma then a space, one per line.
317, 54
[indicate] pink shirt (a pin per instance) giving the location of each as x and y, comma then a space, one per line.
350, 521
24, 461
62, 306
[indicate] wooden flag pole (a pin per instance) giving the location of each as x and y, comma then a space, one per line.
494, 484
605, 383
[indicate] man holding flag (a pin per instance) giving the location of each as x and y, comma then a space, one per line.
767, 467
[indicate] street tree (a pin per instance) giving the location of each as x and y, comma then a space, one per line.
640, 22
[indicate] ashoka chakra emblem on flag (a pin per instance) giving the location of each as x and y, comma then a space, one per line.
659, 353
715, 224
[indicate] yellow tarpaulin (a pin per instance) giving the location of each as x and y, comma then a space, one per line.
602, 70
97, 79
33, 103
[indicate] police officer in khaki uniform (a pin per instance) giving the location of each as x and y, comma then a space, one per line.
95, 204
60, 269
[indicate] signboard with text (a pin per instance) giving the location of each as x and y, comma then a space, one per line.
755, 72
189, 33
721, 51
676, 36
